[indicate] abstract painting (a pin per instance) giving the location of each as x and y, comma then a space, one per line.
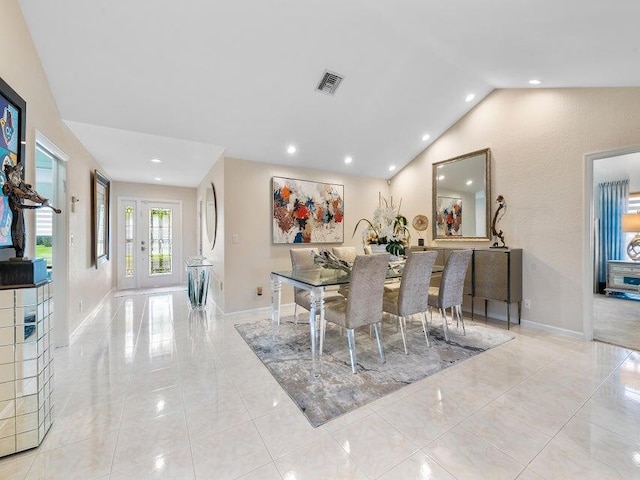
449, 216
12, 136
307, 212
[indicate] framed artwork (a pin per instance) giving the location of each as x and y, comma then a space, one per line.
449, 216
100, 218
12, 141
307, 212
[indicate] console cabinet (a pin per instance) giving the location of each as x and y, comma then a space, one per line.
26, 367
494, 274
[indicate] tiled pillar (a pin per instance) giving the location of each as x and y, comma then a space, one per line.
26, 367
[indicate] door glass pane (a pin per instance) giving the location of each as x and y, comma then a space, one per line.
160, 241
44, 216
128, 240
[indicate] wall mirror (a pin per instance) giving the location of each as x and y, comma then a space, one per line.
211, 214
100, 218
461, 197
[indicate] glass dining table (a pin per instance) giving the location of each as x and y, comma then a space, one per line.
316, 281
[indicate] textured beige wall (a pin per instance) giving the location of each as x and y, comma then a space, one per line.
538, 140
20, 67
159, 193
248, 214
215, 254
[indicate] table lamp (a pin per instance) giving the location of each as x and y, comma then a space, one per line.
631, 224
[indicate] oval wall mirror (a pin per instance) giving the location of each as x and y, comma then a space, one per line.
211, 214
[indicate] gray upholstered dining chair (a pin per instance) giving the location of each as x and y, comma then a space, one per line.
364, 304
301, 259
348, 254
449, 294
412, 297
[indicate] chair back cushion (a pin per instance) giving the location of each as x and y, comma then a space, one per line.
414, 289
301, 258
452, 284
348, 254
366, 289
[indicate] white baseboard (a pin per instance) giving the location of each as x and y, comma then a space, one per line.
92, 313
552, 329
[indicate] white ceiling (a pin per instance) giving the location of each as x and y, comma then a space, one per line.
240, 75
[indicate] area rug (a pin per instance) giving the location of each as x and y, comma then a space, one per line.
327, 388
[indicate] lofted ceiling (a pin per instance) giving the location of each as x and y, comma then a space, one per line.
183, 81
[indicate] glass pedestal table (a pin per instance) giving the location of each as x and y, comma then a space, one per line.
198, 277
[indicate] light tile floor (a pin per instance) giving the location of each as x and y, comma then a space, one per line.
146, 392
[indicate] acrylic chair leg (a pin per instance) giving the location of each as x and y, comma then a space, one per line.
376, 328
461, 318
443, 312
425, 328
295, 314
352, 349
404, 338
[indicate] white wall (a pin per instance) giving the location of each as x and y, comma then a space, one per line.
20, 67
248, 213
215, 254
538, 139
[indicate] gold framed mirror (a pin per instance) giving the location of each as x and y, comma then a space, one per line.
461, 197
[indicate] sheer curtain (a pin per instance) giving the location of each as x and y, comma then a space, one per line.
612, 199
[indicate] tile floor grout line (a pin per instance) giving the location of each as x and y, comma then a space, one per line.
574, 416
135, 348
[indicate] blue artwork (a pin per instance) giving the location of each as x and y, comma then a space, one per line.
9, 126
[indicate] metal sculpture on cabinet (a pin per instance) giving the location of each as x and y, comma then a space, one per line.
17, 190
498, 235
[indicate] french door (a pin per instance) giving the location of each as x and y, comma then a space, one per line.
149, 243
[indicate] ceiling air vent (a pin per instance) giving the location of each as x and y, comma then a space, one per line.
330, 82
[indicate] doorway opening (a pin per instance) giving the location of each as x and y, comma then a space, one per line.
612, 311
51, 230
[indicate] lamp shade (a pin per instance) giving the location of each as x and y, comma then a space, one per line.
631, 222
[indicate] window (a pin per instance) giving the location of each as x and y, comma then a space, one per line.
634, 202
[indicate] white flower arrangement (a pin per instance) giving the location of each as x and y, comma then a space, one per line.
387, 227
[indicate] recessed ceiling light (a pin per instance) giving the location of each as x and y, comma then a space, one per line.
348, 160
469, 182
441, 177
291, 149
392, 168
157, 179
426, 137
469, 97
156, 160
534, 81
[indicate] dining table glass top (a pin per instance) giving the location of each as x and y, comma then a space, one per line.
327, 277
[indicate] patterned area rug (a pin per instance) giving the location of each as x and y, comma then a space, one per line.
327, 388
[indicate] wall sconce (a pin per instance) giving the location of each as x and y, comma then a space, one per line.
631, 224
